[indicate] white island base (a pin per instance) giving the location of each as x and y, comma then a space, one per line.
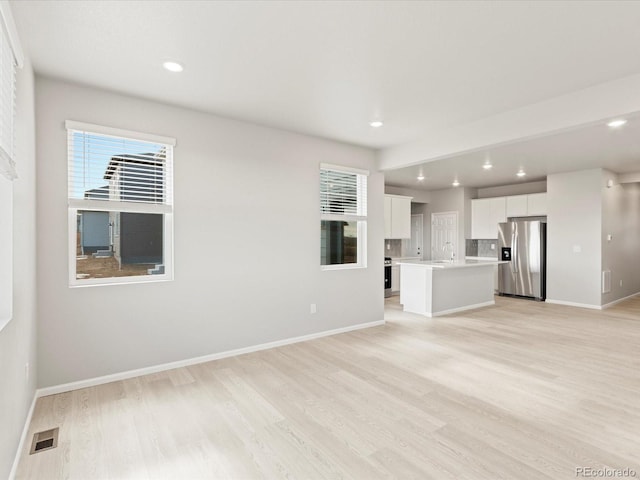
433, 289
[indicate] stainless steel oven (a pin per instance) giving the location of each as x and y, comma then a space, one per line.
387, 277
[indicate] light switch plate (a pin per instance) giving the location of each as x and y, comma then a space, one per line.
577, 249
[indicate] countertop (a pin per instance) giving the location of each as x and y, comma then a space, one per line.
397, 260
467, 263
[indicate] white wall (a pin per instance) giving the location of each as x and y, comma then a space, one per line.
574, 202
584, 107
621, 220
423, 209
514, 189
247, 243
451, 200
418, 196
18, 337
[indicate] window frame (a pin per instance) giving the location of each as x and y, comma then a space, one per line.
76, 205
10, 48
362, 220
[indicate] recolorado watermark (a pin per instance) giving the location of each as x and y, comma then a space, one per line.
605, 472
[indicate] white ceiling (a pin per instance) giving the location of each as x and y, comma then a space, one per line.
594, 146
328, 68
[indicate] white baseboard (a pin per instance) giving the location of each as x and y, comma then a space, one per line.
23, 437
592, 307
611, 304
91, 382
574, 304
462, 309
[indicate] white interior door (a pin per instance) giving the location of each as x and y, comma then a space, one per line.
415, 248
444, 235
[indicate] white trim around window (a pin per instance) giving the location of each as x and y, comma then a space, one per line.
119, 132
119, 181
92, 282
343, 217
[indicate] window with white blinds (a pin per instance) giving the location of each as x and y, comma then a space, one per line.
11, 57
8, 65
343, 193
118, 168
120, 195
343, 216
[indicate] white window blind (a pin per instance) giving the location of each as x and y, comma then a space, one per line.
7, 103
343, 217
343, 193
112, 168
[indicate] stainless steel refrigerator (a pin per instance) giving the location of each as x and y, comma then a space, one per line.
523, 245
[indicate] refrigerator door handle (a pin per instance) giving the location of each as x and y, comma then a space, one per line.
514, 256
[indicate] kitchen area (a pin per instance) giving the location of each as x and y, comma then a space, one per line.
404, 237
440, 262
582, 186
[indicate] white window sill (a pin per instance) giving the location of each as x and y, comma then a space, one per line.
103, 282
349, 266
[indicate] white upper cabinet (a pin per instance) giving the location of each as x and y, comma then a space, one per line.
536, 204
486, 213
387, 216
531, 205
517, 206
397, 216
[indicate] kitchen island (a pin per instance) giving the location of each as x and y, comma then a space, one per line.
440, 288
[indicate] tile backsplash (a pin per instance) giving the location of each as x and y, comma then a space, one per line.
392, 248
481, 248
397, 248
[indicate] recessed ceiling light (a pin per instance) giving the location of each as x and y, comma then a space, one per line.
617, 123
487, 166
456, 183
420, 178
376, 123
173, 66
521, 173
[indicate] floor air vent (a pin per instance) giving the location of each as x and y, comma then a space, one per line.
44, 441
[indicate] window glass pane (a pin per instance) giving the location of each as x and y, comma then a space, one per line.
119, 244
338, 242
117, 169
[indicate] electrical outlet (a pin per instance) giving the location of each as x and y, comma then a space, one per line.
388, 246
313, 309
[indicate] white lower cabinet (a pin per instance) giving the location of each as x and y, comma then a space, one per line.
395, 279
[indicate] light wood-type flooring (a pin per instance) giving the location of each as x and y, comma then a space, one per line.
520, 390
